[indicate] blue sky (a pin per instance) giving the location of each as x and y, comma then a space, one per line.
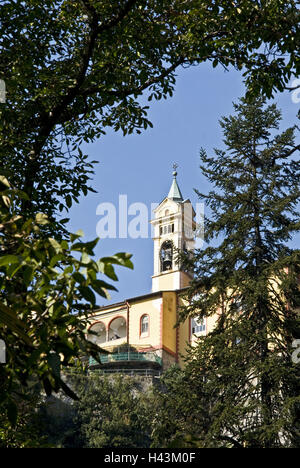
140, 166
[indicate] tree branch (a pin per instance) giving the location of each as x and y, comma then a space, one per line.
50, 120
234, 442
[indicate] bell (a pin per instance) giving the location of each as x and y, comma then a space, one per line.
168, 255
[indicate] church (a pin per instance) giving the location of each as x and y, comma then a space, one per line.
139, 333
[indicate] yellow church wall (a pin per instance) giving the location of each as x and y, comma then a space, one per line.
132, 312
169, 338
151, 307
183, 335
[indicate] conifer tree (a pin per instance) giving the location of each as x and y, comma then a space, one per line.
248, 278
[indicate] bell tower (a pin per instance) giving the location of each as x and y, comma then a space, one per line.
173, 227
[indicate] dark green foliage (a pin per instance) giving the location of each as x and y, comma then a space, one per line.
73, 68
46, 295
249, 277
112, 412
28, 429
176, 414
124, 348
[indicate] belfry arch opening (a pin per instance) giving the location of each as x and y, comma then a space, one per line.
166, 256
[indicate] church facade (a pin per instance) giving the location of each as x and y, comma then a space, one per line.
139, 333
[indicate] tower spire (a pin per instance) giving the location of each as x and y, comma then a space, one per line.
175, 193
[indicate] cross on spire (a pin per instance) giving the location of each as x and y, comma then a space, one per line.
175, 171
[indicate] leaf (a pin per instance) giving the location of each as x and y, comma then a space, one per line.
87, 294
79, 233
9, 318
101, 286
110, 272
85, 258
78, 277
54, 260
42, 219
6, 200
121, 258
64, 245
23, 195
54, 362
12, 413
68, 270
69, 201
4, 181
101, 291
55, 244
85, 246
28, 274
67, 389
124, 259
13, 268
8, 260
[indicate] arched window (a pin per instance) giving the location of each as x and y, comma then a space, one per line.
117, 329
144, 325
166, 256
99, 333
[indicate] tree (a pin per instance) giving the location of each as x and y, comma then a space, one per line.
112, 412
248, 278
73, 68
26, 433
175, 414
45, 300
